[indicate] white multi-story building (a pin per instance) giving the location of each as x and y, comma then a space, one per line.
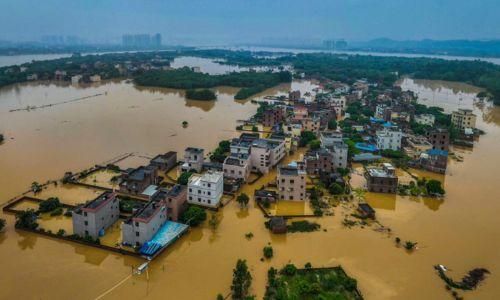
339, 151
266, 153
328, 138
389, 138
206, 189
144, 224
237, 167
93, 218
425, 119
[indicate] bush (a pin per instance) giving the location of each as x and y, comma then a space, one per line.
49, 205
242, 280
268, 252
61, 232
289, 270
2, 224
184, 178
193, 216
243, 199
303, 226
336, 189
203, 94
57, 212
314, 144
306, 137
27, 219
434, 187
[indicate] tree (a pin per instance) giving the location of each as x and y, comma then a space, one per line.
434, 187
26, 219
243, 199
184, 178
49, 205
242, 280
268, 252
314, 144
2, 224
36, 187
213, 221
336, 189
332, 124
194, 216
306, 137
1, 138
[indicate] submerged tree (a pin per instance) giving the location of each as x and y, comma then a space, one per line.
242, 280
26, 219
243, 199
214, 221
2, 224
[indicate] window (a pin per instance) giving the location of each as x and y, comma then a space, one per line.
209, 185
190, 198
137, 233
86, 232
85, 213
292, 181
208, 193
190, 190
208, 201
86, 223
137, 224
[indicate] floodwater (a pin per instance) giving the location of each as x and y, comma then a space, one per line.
461, 232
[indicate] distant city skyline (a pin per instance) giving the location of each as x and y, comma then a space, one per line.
233, 22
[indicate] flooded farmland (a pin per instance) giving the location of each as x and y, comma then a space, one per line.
460, 231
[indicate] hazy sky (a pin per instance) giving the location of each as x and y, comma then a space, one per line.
223, 21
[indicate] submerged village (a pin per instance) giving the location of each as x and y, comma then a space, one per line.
302, 157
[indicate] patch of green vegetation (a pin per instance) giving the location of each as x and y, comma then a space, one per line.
27, 219
309, 283
185, 78
303, 226
268, 252
49, 205
183, 179
202, 94
468, 282
193, 216
242, 280
219, 154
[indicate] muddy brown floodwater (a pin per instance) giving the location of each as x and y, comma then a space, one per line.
461, 232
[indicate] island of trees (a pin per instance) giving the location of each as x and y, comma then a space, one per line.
203, 94
151, 69
185, 78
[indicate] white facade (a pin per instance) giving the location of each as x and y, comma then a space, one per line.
425, 119
266, 153
389, 139
340, 151
206, 189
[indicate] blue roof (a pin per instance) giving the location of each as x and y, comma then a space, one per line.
366, 147
437, 152
376, 120
389, 124
365, 157
166, 235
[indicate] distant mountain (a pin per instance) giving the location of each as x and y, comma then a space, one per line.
483, 48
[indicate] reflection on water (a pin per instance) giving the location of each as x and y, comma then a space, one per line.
100, 129
448, 95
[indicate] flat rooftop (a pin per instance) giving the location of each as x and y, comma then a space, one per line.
101, 199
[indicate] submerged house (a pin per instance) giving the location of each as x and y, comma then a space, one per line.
366, 210
165, 162
93, 218
142, 226
135, 181
382, 179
